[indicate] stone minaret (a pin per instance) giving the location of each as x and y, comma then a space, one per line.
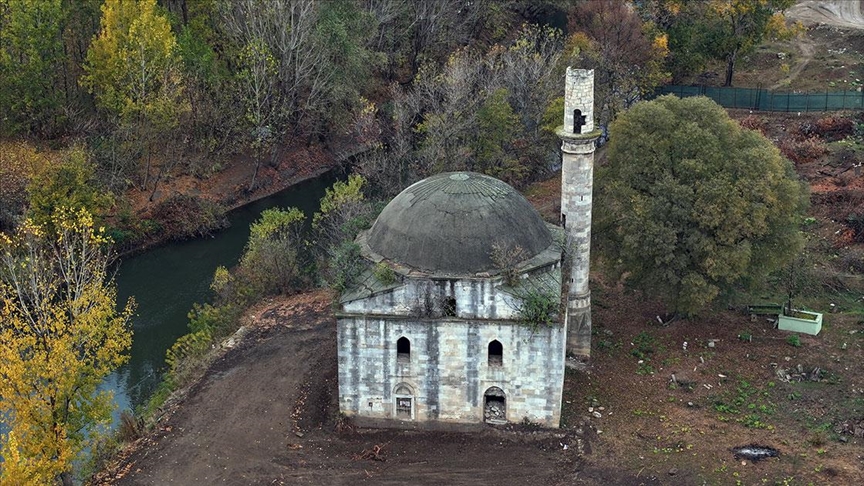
577, 173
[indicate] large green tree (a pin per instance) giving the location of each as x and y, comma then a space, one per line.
691, 206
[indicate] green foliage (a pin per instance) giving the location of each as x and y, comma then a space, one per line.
793, 340
644, 345
498, 125
68, 184
692, 206
31, 49
346, 264
339, 195
749, 403
385, 274
131, 63
272, 261
538, 308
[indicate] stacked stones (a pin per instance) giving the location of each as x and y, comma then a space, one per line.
494, 413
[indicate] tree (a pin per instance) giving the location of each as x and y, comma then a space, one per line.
31, 47
133, 69
60, 335
19, 161
691, 206
272, 261
66, 183
626, 53
736, 27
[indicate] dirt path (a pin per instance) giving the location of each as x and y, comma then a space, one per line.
806, 48
840, 13
266, 413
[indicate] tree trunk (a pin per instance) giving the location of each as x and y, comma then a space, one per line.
255, 172
730, 66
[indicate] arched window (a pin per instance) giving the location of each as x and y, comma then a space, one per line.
403, 350
496, 353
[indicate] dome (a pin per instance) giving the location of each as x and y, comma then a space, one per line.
448, 223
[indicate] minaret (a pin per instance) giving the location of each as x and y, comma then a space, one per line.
577, 173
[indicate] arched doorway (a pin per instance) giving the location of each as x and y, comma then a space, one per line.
495, 406
403, 396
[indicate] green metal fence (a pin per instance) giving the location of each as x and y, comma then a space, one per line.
764, 100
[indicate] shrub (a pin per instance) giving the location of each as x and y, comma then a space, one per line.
385, 274
346, 264
183, 216
538, 308
272, 261
794, 340
753, 122
833, 127
803, 150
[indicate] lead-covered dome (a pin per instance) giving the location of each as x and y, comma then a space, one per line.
449, 223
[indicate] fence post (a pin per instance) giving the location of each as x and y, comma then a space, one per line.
788, 94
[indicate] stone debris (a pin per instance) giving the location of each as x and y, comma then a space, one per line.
754, 452
798, 373
851, 427
494, 413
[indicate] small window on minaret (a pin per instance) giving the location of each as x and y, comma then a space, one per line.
578, 121
563, 220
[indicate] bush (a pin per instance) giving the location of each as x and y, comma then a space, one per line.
830, 128
803, 150
183, 216
346, 264
538, 308
385, 274
273, 260
753, 122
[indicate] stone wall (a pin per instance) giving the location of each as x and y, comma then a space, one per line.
472, 298
448, 370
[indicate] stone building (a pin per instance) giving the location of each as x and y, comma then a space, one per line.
449, 321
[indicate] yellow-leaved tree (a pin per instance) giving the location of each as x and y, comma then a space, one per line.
133, 70
61, 334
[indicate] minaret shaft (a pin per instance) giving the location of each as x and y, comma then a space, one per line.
577, 173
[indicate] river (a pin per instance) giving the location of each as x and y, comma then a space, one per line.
167, 280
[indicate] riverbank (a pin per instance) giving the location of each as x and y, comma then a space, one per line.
208, 199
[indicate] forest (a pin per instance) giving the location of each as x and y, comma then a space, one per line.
100, 97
